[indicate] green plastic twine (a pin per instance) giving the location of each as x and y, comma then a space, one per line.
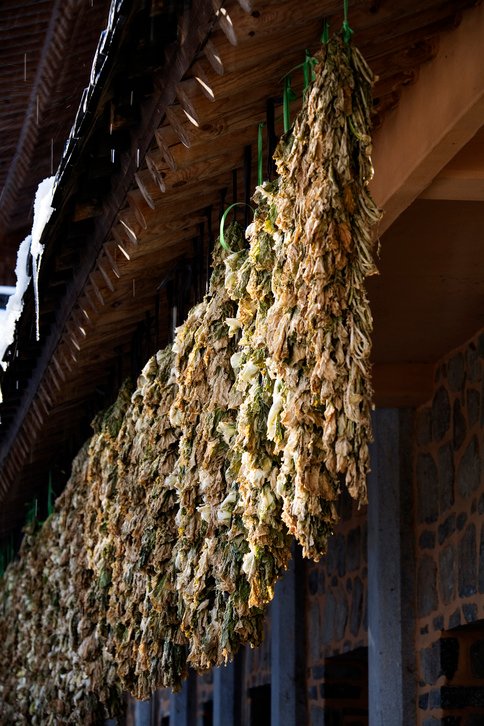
325, 34
287, 97
308, 70
32, 512
222, 222
50, 496
260, 173
347, 31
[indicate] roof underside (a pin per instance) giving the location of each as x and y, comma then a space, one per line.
165, 150
46, 51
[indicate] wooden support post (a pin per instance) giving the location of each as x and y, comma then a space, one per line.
224, 688
287, 648
391, 597
183, 705
142, 713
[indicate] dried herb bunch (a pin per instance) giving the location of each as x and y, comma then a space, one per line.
211, 539
254, 462
54, 665
143, 609
320, 322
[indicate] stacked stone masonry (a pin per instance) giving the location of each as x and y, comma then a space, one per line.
336, 621
449, 495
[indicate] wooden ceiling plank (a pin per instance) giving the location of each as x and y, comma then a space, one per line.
177, 125
101, 266
23, 443
96, 289
160, 135
58, 368
213, 56
132, 227
145, 190
111, 251
246, 5
186, 92
226, 24
141, 210
155, 174
36, 410
408, 156
122, 240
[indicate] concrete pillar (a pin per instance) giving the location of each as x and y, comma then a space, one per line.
142, 713
183, 705
391, 567
224, 695
288, 647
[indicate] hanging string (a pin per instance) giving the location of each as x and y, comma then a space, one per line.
260, 173
308, 70
222, 223
32, 511
346, 30
288, 96
50, 496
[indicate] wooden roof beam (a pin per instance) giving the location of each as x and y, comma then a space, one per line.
435, 118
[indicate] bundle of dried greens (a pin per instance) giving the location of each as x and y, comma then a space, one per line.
211, 541
82, 674
320, 323
254, 463
54, 667
143, 609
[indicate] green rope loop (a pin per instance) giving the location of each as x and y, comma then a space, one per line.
345, 28
50, 496
308, 70
222, 223
286, 103
31, 515
260, 173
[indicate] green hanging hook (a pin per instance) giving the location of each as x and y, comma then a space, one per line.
346, 30
222, 223
50, 496
260, 173
288, 96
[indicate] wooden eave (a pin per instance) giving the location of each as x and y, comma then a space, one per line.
130, 238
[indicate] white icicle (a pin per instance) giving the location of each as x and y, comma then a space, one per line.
42, 213
31, 244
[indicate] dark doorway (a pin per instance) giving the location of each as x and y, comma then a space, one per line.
260, 705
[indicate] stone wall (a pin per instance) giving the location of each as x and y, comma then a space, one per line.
336, 599
449, 495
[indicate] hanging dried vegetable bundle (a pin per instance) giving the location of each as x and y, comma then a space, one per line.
211, 541
320, 324
58, 670
102, 475
91, 690
149, 648
254, 463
